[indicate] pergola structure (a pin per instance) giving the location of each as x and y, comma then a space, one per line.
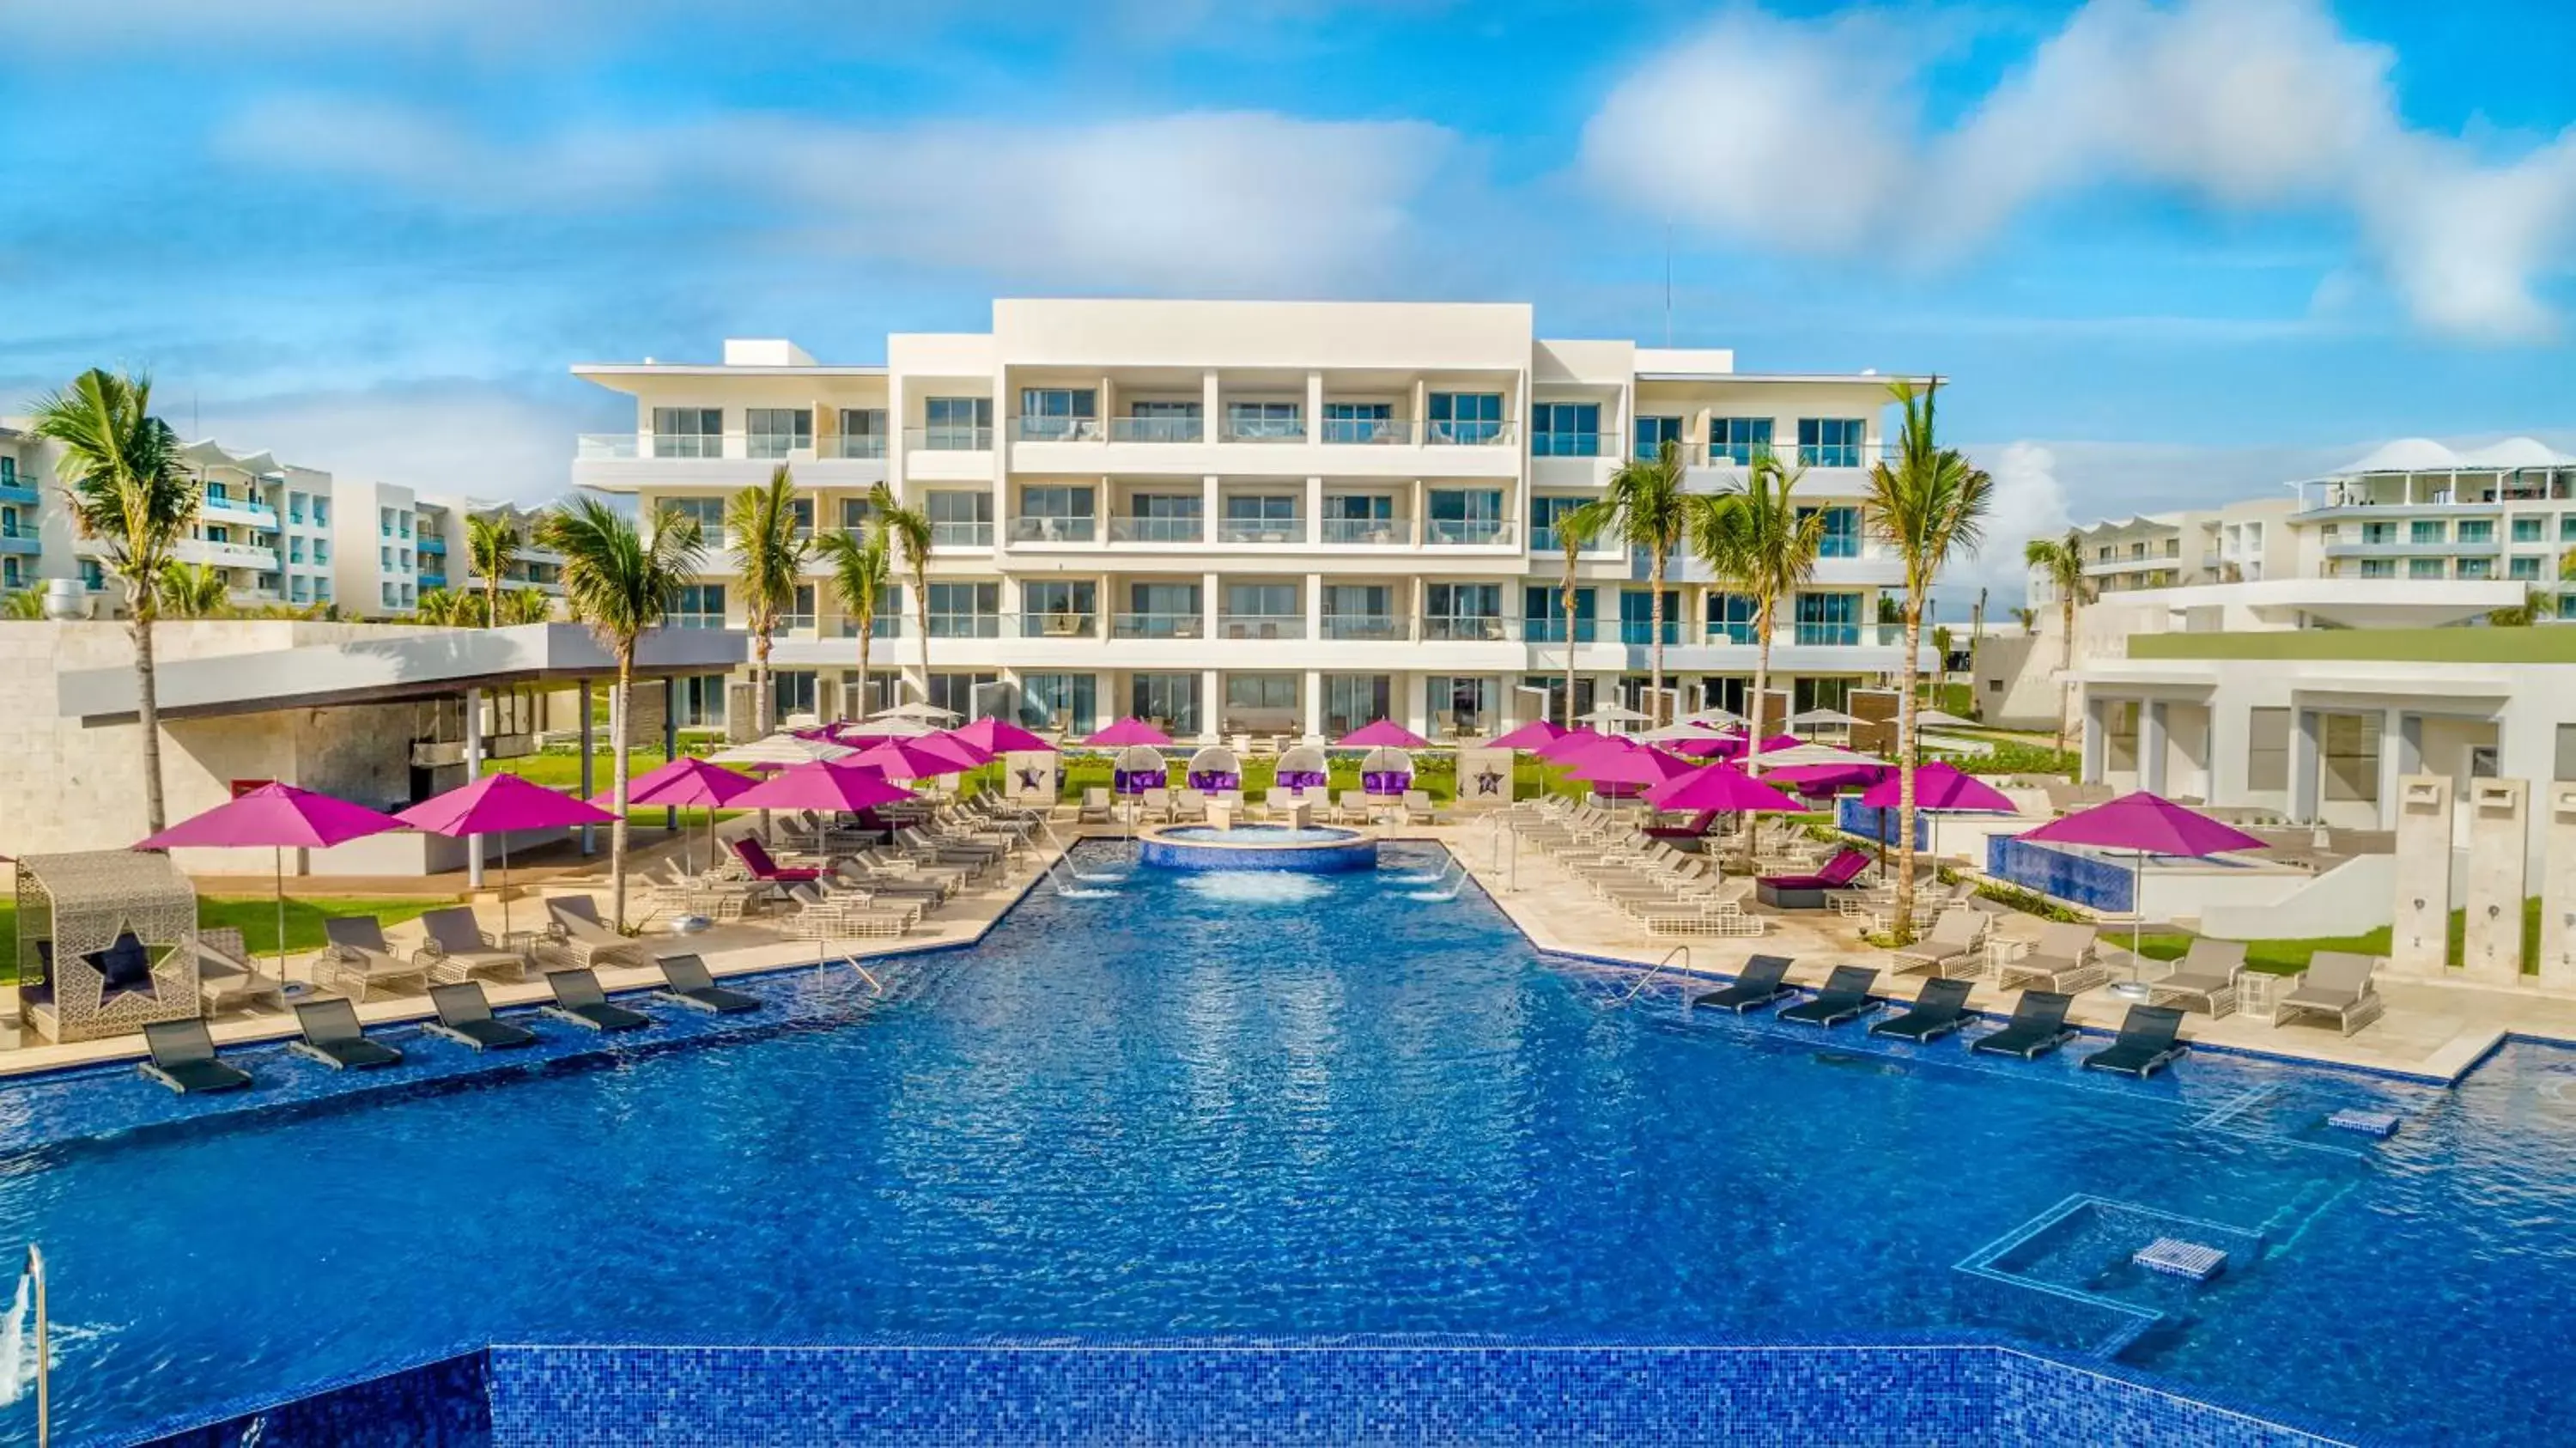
107, 943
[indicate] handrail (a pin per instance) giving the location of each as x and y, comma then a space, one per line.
1652, 971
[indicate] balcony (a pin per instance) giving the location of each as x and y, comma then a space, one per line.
961, 535
1261, 530
1370, 431
1261, 626
1157, 429
432, 543
1553, 631
1157, 626
240, 510
1566, 445
1474, 628
1467, 533
16, 488
948, 437
19, 538
433, 580
1054, 530
1468, 434
863, 446
1157, 530
1265, 429
1372, 627
965, 625
1369, 532
624, 461
1063, 624
1640, 632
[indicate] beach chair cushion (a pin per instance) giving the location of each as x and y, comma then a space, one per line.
1844, 997
2147, 1043
579, 999
689, 983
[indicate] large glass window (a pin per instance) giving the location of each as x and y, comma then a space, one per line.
1565, 429
1161, 611
1830, 442
1734, 617
967, 695
2349, 750
1829, 619
1462, 610
1653, 433
1055, 515
960, 519
1354, 700
1265, 421
1543, 613
1361, 611
957, 424
863, 432
1738, 440
1161, 518
1841, 532
1066, 702
684, 432
774, 432
1544, 511
1585, 689
1059, 608
2426, 530
1466, 417
1360, 518
2477, 530
1461, 706
1466, 515
1169, 702
1263, 610
965, 610
1359, 422
700, 605
1637, 615
793, 692
2424, 568
1059, 412
1260, 703
2528, 530
1261, 518
1152, 421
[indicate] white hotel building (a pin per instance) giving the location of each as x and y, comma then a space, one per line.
1258, 516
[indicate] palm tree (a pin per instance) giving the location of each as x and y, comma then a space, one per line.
1645, 508
1976, 643
492, 545
26, 605
1762, 546
768, 553
1573, 534
897, 526
128, 490
525, 604
194, 590
862, 579
2533, 608
1929, 503
621, 586
438, 607
2061, 562
2027, 617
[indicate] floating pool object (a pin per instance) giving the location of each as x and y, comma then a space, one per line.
2380, 1124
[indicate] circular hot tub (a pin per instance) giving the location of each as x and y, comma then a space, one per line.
1317, 850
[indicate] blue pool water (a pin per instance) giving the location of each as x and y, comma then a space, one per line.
1262, 1105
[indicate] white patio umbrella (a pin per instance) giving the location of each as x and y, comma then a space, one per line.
915, 711
1713, 717
780, 751
1613, 714
1815, 754
1682, 730
1938, 719
1823, 719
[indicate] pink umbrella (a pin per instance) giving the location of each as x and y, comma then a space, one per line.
845, 785
495, 805
1631, 766
281, 817
1534, 735
1384, 734
964, 751
1827, 778
2144, 824
1572, 741
1129, 731
1724, 788
909, 759
996, 736
1938, 786
683, 781
1707, 747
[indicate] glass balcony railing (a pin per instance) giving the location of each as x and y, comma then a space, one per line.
859, 446
1261, 626
1383, 628
1054, 530
965, 625
1378, 532
1731, 633
1467, 627
1056, 429
1565, 445
961, 535
1261, 530
1059, 625
949, 437
1553, 630
1467, 434
1158, 626
1265, 429
1157, 429
1368, 431
1466, 532
1642, 631
19, 488
431, 543
1156, 530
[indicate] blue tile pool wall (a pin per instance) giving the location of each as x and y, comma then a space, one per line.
1854, 818
2077, 879
1309, 859
445, 1403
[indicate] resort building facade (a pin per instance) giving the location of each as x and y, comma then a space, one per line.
1263, 517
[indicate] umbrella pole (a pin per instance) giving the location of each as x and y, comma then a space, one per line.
277, 859
505, 885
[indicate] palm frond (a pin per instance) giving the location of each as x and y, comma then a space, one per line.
769, 552
861, 573
122, 475
615, 582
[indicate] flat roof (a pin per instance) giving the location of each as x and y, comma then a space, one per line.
397, 668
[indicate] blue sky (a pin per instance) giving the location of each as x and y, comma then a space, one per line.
2168, 252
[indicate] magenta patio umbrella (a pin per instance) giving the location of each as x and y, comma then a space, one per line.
1536, 734
964, 751
2143, 824
1572, 741
1631, 766
281, 817
997, 736
1724, 788
495, 805
844, 785
1708, 746
1129, 731
909, 759
1384, 734
1827, 778
1938, 786
683, 781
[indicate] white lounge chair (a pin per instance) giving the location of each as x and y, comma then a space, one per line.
2336, 984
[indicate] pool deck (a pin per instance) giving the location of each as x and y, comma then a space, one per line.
2431, 1030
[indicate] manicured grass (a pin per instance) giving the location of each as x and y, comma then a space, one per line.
2288, 957
255, 916
562, 770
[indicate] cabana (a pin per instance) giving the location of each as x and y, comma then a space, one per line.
1215, 770
107, 943
1386, 771
1138, 768
1303, 776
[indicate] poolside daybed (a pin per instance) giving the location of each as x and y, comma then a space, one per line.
1807, 892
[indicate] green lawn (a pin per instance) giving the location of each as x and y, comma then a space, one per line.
255, 916
562, 770
2288, 957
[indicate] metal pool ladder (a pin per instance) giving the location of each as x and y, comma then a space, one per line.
33, 1286
1651, 972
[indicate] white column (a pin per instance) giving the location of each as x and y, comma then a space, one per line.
1211, 404
2394, 764
1211, 603
1209, 506
2419, 936
1314, 510
2151, 746
2096, 756
2499, 820
1211, 705
1314, 606
1314, 703
2304, 762
1315, 405
473, 772
589, 841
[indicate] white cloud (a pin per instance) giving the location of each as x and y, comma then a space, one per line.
2029, 502
1208, 201
1814, 134
470, 438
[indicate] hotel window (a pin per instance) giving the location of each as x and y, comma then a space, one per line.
688, 432
791, 692
1565, 429
1738, 440
969, 696
385, 559
1054, 413
1162, 610
386, 592
1271, 695
1262, 611
8, 471
1069, 702
2567, 527
93, 576
709, 513
2423, 567
2477, 530
1162, 518
2349, 747
403, 556
1637, 615
957, 424
1261, 518
2523, 568
699, 605
2477, 568
2379, 568
1543, 614
321, 590
1055, 515
776, 432
1466, 515
2528, 530
1359, 422
402, 525
321, 550
1360, 518
800, 613
856, 515
294, 550
1553, 686
1830, 442
1544, 513
1731, 616
863, 432
1466, 417
1462, 610
1654, 432
1152, 420
965, 610
295, 507
1059, 608
1460, 706
1170, 702
2426, 530
1841, 534
1361, 611
384, 522
1264, 421
2377, 533
960, 519
299, 589
1828, 619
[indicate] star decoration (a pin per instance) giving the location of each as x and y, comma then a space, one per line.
124, 968
1029, 779
1489, 782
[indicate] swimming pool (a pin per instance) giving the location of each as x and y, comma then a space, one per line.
1232, 1106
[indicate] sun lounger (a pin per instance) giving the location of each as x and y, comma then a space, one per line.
465, 1017
1845, 997
764, 867
687, 983
183, 1058
458, 949
2038, 1026
1095, 808
1807, 892
227, 977
845, 916
357, 961
1417, 807
577, 938
2147, 1043
2337, 984
1939, 1010
333, 1037
1956, 946
1355, 808
1764, 979
2064, 960
579, 1000
2205, 980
